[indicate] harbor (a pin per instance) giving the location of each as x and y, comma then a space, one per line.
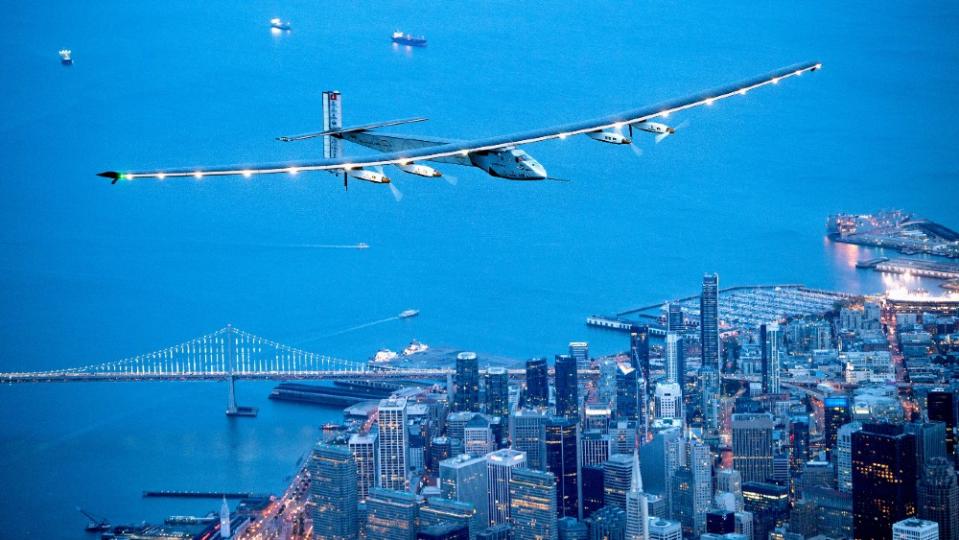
894, 229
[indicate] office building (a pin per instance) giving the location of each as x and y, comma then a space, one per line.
674, 359
466, 380
562, 460
500, 466
883, 479
915, 529
942, 405
664, 529
753, 446
333, 491
528, 434
661, 457
466, 478
537, 383
591, 478
769, 340
461, 513
700, 462
391, 514
639, 350
594, 448
637, 505
597, 417
674, 318
681, 500
606, 388
572, 529
533, 509
836, 414
497, 391
930, 443
842, 456
567, 392
579, 350
768, 504
731, 482
938, 497
608, 523
669, 400
627, 393
720, 522
617, 478
393, 442
709, 323
363, 447
478, 439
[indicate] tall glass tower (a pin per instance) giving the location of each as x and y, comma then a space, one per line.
567, 394
333, 492
709, 322
466, 380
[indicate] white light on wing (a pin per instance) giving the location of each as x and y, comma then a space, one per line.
742, 92
776, 80
198, 175
665, 114
247, 173
563, 135
292, 170
709, 101
161, 176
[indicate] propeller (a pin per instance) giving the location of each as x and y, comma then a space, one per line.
632, 143
450, 179
662, 136
397, 194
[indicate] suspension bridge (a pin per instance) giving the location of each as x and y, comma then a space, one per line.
229, 354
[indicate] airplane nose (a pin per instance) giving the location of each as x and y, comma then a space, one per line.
539, 171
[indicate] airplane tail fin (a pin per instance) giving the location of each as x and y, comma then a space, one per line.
332, 121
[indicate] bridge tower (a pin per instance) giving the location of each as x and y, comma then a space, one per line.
229, 346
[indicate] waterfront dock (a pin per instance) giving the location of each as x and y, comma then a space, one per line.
168, 493
916, 267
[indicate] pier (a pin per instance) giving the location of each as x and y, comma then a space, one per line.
175, 494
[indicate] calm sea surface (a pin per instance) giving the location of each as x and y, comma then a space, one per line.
91, 272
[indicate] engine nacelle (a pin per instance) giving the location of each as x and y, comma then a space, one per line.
655, 127
419, 170
610, 137
368, 176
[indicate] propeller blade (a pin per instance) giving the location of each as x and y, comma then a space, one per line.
662, 136
636, 149
397, 194
452, 180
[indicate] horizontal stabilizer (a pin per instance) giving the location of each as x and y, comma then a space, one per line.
352, 129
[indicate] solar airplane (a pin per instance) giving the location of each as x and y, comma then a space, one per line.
499, 156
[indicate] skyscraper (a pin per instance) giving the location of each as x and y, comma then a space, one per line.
883, 479
533, 505
617, 479
837, 414
639, 350
528, 434
592, 481
627, 392
478, 437
681, 499
709, 322
799, 440
391, 418
579, 350
500, 466
664, 529
674, 318
753, 446
391, 514
769, 505
497, 391
769, 340
363, 448
637, 505
675, 359
466, 478
669, 400
930, 443
942, 406
606, 387
562, 460
333, 492
843, 456
700, 463
466, 380
537, 383
567, 393
938, 497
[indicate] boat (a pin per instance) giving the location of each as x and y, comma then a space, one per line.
384, 355
279, 24
66, 57
362, 245
407, 39
415, 347
407, 313
191, 520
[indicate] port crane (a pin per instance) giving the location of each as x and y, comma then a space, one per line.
96, 524
499, 156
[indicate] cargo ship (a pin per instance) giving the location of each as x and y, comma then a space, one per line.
279, 24
407, 39
66, 57
407, 313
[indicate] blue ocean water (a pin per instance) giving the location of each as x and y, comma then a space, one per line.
91, 272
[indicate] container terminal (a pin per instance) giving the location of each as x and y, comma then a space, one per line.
894, 229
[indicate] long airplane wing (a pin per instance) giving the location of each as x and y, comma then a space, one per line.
464, 148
